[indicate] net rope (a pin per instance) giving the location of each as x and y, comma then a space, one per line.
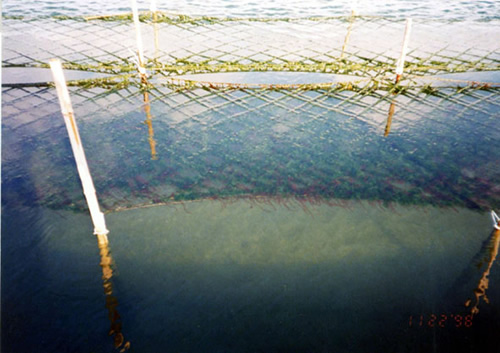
179, 44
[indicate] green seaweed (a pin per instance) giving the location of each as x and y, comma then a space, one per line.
181, 19
12, 17
429, 90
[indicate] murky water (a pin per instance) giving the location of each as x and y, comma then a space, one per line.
253, 220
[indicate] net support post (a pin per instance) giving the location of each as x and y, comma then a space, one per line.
401, 61
76, 145
135, 16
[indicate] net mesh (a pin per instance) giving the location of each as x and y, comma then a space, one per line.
165, 141
366, 46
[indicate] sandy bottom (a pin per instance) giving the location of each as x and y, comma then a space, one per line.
246, 277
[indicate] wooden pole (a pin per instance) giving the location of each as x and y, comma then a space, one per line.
76, 144
401, 61
399, 72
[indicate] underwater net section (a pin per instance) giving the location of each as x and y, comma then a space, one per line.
432, 138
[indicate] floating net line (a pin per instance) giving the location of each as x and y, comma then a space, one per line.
168, 141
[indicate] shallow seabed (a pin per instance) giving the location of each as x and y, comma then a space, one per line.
250, 276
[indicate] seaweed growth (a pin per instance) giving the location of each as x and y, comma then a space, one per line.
172, 139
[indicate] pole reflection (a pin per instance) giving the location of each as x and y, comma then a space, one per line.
111, 301
483, 284
149, 123
392, 108
349, 29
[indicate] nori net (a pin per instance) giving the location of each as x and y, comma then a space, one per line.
432, 140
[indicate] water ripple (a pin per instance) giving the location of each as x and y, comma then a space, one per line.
447, 9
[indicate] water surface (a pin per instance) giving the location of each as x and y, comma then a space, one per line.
462, 10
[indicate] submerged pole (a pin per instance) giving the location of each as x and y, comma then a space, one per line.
401, 61
76, 144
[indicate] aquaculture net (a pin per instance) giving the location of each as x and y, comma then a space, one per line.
177, 44
431, 138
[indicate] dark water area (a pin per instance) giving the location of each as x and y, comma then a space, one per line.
51, 302
204, 277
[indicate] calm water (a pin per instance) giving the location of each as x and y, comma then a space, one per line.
463, 10
283, 221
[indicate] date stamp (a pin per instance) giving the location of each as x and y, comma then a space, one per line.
440, 320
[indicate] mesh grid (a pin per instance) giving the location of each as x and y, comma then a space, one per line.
372, 47
441, 143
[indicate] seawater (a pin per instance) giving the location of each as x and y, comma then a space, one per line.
243, 277
272, 231
447, 9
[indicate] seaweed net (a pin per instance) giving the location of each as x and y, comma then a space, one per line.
433, 138
178, 44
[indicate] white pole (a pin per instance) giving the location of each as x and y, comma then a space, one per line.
152, 7
135, 15
76, 144
401, 61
